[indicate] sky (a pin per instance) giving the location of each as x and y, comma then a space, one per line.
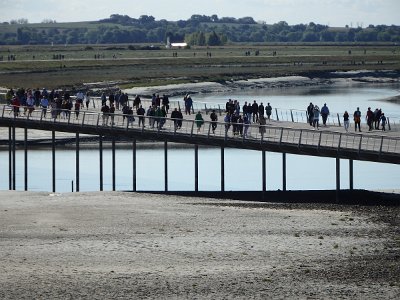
333, 13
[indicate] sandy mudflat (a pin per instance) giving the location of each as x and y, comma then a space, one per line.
116, 245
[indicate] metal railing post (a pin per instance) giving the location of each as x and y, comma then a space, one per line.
277, 116
381, 147
301, 133
83, 118
338, 119
319, 140
191, 131
340, 141
291, 113
281, 137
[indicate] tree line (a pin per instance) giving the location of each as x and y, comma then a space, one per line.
197, 30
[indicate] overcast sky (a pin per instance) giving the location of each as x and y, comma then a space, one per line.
328, 12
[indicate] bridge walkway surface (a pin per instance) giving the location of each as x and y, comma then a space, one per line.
275, 136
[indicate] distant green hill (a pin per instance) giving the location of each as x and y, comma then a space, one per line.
198, 30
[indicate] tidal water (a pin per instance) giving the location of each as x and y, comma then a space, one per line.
242, 167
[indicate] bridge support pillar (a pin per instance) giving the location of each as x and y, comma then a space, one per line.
101, 161
134, 165
196, 168
166, 166
25, 159
113, 163
9, 158
264, 174
53, 157
222, 169
77, 161
284, 172
13, 157
337, 177
351, 178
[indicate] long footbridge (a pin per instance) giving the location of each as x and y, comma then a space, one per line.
281, 137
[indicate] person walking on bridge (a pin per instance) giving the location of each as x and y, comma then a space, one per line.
214, 119
310, 114
370, 118
324, 114
268, 111
254, 110
106, 113
316, 114
357, 119
199, 121
346, 120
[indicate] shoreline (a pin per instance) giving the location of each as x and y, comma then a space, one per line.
361, 77
130, 245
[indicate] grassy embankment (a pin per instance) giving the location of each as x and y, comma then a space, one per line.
35, 67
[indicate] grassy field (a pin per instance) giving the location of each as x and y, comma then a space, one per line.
35, 66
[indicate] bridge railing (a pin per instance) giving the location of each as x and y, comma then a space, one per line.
278, 114
228, 131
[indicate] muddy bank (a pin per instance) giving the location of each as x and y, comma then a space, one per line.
127, 245
307, 79
395, 99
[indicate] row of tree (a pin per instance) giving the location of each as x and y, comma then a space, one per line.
198, 30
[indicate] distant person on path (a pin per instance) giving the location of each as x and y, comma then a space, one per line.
199, 121
214, 120
324, 114
268, 111
310, 113
316, 114
346, 120
357, 119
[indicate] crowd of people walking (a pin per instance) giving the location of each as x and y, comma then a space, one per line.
375, 119
237, 118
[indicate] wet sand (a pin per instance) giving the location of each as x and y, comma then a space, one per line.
131, 246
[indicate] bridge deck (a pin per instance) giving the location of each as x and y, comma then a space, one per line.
294, 138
